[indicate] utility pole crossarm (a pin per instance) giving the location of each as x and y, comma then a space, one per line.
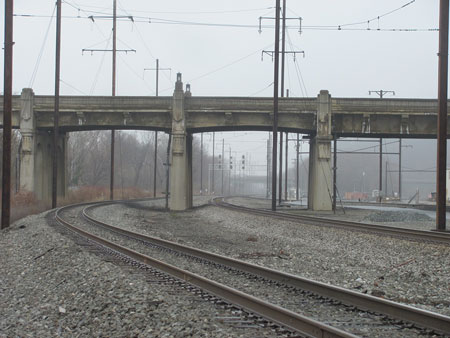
261, 18
381, 92
126, 51
271, 53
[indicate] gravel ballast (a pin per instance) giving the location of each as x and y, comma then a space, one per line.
60, 288
51, 286
414, 273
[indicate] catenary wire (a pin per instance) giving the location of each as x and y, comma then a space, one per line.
41, 52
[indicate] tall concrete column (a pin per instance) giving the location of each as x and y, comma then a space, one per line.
36, 154
320, 192
28, 132
181, 164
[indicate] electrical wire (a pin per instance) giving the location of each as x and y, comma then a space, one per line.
97, 75
142, 39
41, 52
223, 67
298, 71
379, 16
371, 147
136, 74
73, 87
149, 20
76, 6
261, 90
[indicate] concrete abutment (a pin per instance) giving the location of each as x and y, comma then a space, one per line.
37, 155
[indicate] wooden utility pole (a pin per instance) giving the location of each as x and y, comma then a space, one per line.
213, 164
201, 163
441, 167
157, 69
7, 114
283, 52
114, 52
297, 170
275, 105
56, 111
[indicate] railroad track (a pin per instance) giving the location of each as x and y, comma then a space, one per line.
417, 235
358, 311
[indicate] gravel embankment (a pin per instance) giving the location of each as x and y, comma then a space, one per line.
405, 271
51, 286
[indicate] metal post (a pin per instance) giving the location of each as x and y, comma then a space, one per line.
157, 76
286, 168
7, 114
283, 47
380, 179
223, 161
155, 161
56, 111
229, 175
267, 168
400, 169
442, 117
275, 105
280, 177
156, 134
297, 178
111, 185
201, 163
334, 172
283, 50
213, 167
386, 179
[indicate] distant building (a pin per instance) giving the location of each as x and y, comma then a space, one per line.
356, 195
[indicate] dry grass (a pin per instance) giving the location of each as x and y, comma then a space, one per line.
24, 203
97, 193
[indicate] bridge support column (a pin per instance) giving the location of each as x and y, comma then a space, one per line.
320, 172
181, 164
36, 155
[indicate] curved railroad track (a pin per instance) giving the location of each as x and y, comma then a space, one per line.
357, 311
417, 235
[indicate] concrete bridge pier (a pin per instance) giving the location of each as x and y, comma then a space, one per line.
181, 159
320, 190
37, 156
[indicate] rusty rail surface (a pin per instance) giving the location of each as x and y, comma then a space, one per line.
274, 313
422, 318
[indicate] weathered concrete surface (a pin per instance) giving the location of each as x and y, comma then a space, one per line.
320, 172
351, 117
37, 154
182, 115
181, 163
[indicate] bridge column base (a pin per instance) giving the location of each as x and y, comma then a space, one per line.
181, 164
181, 173
320, 191
36, 158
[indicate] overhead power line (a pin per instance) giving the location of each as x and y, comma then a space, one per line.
155, 20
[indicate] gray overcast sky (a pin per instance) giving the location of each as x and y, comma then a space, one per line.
217, 48
347, 63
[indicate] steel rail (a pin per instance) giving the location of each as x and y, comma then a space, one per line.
423, 318
421, 235
274, 313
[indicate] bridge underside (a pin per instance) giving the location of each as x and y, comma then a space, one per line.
182, 115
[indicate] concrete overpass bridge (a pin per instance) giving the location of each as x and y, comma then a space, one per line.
182, 115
